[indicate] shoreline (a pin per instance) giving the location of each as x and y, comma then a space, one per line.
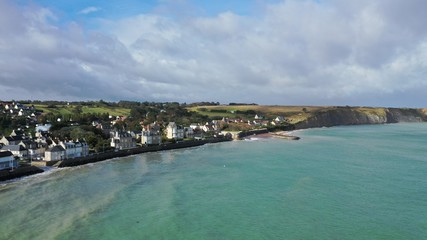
289, 134
25, 171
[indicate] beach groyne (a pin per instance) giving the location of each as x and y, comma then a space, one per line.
132, 151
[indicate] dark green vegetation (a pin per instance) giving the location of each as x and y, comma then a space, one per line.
92, 121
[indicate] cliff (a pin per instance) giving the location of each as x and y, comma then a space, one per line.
357, 116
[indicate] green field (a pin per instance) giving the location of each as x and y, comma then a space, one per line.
70, 109
293, 113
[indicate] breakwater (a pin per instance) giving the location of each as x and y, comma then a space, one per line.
243, 134
132, 151
269, 129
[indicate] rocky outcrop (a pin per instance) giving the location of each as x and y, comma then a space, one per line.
358, 116
395, 115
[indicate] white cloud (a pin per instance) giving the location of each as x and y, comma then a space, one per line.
294, 52
89, 10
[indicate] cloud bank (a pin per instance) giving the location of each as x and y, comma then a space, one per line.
293, 52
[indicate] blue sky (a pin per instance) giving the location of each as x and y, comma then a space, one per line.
285, 52
83, 10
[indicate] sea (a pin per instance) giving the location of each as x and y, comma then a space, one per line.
353, 182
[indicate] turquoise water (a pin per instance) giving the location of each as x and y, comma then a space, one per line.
361, 182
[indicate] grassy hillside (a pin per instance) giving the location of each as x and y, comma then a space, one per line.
293, 113
70, 109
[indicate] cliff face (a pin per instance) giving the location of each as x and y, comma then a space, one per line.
358, 116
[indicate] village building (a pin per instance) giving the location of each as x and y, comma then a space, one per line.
136, 134
174, 131
279, 119
195, 126
122, 140
17, 150
35, 149
71, 150
54, 153
11, 140
207, 128
188, 132
7, 160
151, 134
105, 127
84, 146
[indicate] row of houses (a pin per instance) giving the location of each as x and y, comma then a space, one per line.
38, 148
17, 109
41, 147
257, 121
152, 134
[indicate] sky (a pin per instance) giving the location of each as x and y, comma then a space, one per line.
274, 52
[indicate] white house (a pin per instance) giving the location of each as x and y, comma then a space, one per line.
174, 131
213, 126
122, 140
71, 150
54, 153
17, 150
151, 135
84, 146
7, 160
208, 128
279, 119
188, 132
195, 126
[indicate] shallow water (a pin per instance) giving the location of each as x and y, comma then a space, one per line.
361, 182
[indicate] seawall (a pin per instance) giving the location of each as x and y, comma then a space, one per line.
132, 151
19, 172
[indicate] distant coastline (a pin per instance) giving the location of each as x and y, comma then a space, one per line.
290, 119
